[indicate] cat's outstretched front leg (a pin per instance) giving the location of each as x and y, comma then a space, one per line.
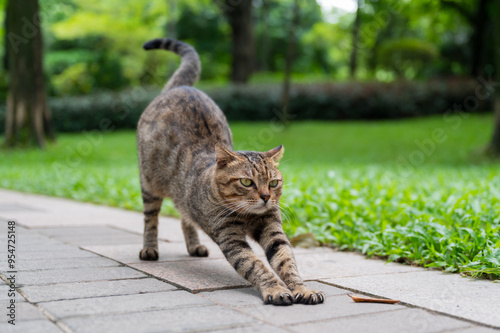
240, 255
280, 255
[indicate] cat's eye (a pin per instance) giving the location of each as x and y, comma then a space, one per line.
246, 181
273, 183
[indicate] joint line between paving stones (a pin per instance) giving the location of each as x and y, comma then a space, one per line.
259, 320
461, 328
92, 315
103, 296
217, 329
344, 317
56, 283
409, 305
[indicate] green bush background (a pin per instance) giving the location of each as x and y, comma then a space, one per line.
324, 101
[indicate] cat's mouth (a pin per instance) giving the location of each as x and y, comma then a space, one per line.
261, 207
253, 207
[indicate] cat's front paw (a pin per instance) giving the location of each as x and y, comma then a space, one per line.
304, 295
277, 296
149, 253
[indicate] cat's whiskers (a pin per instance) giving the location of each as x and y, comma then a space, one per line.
224, 210
246, 207
232, 208
286, 211
221, 204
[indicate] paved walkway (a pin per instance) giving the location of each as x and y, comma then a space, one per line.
77, 270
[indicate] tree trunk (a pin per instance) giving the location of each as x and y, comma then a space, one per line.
28, 119
355, 37
494, 146
265, 36
478, 22
477, 38
289, 60
240, 20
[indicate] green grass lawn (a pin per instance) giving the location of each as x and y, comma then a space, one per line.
416, 191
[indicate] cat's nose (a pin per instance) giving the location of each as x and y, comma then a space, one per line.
265, 197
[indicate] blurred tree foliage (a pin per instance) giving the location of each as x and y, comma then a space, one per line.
93, 45
407, 57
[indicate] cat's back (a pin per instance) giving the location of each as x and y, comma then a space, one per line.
184, 116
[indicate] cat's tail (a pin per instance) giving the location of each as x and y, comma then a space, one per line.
188, 72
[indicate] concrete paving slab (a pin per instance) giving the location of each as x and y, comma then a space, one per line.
34, 220
70, 231
24, 311
241, 297
124, 304
404, 320
24, 247
253, 329
475, 329
76, 290
91, 235
204, 318
16, 207
29, 236
77, 275
72, 252
4, 227
195, 275
29, 243
44, 264
234, 298
129, 254
327, 289
38, 326
330, 263
334, 307
99, 240
4, 290
476, 300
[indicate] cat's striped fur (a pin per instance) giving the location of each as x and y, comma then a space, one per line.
185, 153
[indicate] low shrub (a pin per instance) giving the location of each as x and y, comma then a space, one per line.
325, 101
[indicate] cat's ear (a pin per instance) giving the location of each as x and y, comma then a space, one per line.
224, 157
275, 154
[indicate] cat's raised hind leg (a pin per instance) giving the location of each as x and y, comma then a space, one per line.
195, 249
152, 206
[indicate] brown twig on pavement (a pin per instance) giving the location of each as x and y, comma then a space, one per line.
372, 300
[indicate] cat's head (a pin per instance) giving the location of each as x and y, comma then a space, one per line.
249, 181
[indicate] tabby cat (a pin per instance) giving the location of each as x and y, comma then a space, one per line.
185, 153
